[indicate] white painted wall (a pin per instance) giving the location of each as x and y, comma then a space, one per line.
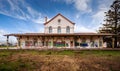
63, 24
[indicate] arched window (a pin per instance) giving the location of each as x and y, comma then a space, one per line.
50, 29
67, 29
59, 29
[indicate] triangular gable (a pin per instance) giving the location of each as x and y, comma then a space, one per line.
61, 16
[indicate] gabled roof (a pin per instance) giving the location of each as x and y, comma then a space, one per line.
61, 16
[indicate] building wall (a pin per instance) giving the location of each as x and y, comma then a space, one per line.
67, 42
55, 24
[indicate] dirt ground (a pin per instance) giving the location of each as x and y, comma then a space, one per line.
52, 61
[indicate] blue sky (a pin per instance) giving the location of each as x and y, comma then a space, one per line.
21, 16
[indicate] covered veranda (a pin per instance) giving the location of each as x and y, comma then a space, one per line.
75, 40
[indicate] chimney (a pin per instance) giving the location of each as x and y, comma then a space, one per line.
45, 19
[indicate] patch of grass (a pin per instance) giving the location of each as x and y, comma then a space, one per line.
8, 66
61, 52
98, 52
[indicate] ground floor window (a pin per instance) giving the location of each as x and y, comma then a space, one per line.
28, 43
35, 43
77, 43
96, 44
59, 44
84, 43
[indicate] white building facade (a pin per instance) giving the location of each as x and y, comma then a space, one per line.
59, 25
59, 33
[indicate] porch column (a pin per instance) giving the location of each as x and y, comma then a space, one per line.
98, 42
18, 42
113, 42
102, 41
52, 42
64, 42
43, 41
73, 43
79, 41
7, 41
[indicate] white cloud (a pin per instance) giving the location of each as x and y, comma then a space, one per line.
99, 16
80, 5
38, 20
104, 6
80, 28
21, 10
3, 38
2, 32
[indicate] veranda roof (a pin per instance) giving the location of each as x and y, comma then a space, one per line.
71, 34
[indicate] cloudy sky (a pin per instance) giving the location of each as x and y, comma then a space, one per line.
21, 16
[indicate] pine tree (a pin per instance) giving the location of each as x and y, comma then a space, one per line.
112, 24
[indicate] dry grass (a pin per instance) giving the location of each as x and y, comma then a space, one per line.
33, 60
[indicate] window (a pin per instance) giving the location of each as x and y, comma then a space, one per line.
59, 29
50, 29
67, 29
59, 20
84, 43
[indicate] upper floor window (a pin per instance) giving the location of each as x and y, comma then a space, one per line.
59, 29
50, 29
67, 29
59, 20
